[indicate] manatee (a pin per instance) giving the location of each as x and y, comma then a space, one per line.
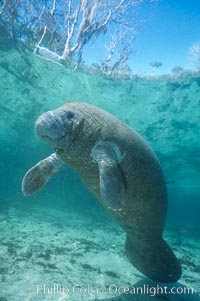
122, 172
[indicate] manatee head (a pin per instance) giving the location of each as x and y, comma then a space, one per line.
59, 127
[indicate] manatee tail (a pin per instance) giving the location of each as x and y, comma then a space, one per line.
155, 259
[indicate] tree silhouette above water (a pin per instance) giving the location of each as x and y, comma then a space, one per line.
60, 29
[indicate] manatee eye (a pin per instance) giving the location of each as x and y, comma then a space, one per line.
70, 115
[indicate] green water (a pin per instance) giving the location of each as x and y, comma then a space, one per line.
165, 111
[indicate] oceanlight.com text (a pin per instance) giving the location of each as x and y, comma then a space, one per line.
151, 290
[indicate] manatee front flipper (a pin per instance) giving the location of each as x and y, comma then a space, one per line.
112, 188
39, 175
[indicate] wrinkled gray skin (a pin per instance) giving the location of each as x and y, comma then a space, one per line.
123, 173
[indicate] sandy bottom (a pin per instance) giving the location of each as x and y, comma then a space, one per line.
48, 254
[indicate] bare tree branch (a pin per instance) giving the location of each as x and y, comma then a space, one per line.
61, 29
194, 53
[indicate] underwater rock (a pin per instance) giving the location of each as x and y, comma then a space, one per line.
25, 252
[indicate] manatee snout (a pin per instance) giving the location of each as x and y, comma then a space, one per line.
50, 127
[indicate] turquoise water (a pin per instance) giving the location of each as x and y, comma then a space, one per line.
61, 234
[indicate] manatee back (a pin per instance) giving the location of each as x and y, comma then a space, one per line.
146, 197
143, 216
140, 167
